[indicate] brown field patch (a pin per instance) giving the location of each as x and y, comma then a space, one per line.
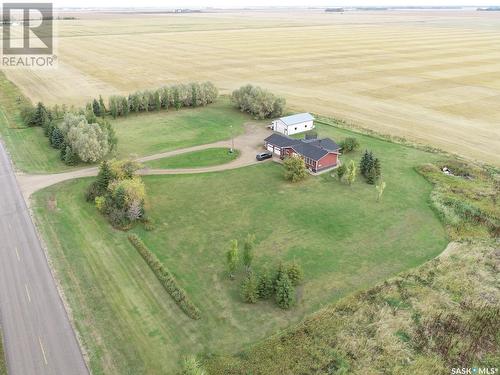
433, 77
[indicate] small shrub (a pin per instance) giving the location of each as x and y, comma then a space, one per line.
341, 171
249, 288
349, 144
100, 203
295, 273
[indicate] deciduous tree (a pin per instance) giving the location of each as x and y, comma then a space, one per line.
295, 168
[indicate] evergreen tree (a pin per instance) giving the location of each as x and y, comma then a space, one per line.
90, 116
265, 287
47, 126
285, 292
96, 108
247, 250
249, 291
295, 273
280, 271
232, 258
363, 165
370, 176
103, 177
63, 147
40, 116
70, 157
57, 138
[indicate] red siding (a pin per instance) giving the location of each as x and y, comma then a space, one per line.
327, 161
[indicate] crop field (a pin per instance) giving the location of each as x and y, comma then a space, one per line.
343, 238
432, 77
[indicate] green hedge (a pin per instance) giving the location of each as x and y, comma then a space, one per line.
165, 278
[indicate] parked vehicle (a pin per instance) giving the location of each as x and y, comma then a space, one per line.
264, 155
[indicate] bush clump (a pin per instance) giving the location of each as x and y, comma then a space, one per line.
260, 103
166, 278
118, 193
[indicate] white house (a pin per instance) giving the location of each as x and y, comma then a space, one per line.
289, 125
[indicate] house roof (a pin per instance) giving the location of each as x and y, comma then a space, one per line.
280, 140
311, 148
325, 143
296, 119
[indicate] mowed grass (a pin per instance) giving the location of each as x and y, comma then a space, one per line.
150, 133
203, 158
3, 364
344, 239
402, 73
27, 146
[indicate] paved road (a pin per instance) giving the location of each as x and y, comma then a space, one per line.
39, 339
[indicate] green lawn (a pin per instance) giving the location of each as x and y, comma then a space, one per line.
202, 158
138, 134
150, 133
28, 147
3, 364
343, 238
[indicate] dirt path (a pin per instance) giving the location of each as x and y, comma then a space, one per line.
248, 144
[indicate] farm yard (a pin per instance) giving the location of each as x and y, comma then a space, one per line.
144, 253
138, 134
431, 77
344, 239
151, 133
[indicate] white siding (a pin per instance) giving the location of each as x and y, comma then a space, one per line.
300, 128
280, 127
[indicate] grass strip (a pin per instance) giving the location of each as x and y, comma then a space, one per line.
3, 362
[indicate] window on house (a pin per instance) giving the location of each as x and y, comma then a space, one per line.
295, 128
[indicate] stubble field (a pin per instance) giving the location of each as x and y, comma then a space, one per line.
433, 77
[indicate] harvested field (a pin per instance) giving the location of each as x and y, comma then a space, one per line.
432, 77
